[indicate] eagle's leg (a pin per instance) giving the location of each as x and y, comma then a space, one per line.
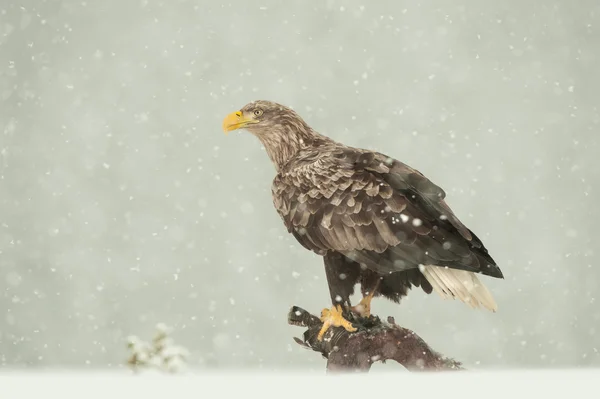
363, 309
342, 274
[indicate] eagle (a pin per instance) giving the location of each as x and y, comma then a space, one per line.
375, 221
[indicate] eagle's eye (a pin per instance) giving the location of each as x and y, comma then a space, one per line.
258, 112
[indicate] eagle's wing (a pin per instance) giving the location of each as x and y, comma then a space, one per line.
374, 210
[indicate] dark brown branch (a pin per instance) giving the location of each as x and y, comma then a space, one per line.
374, 341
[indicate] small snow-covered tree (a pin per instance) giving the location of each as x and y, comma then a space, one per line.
160, 354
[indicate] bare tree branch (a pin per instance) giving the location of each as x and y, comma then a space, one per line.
374, 341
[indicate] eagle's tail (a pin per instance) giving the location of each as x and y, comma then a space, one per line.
461, 284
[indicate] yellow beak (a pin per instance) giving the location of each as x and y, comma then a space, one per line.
236, 120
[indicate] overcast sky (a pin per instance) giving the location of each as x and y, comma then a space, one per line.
123, 205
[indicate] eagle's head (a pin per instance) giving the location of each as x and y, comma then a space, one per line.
281, 130
263, 117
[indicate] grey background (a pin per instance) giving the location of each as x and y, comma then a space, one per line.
122, 204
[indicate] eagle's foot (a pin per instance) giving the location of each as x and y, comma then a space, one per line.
363, 309
333, 318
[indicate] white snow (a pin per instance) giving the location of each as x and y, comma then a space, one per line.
199, 383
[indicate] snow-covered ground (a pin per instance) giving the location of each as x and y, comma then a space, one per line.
498, 384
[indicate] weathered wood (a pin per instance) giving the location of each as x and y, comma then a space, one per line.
374, 341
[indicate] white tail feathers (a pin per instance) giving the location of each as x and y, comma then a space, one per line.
461, 284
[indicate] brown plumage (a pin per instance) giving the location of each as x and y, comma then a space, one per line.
375, 220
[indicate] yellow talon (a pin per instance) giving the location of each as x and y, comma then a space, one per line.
333, 318
363, 309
